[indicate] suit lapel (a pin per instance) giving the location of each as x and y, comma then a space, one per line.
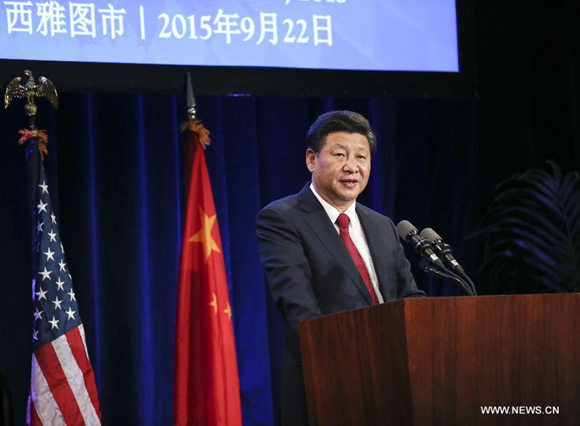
375, 243
320, 224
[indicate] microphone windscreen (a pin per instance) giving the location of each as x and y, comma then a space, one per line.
430, 234
404, 228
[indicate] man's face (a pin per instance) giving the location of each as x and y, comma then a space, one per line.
340, 171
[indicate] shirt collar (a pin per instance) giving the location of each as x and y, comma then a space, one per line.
332, 211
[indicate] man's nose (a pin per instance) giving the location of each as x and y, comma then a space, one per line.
350, 166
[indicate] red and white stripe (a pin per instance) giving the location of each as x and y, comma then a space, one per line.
63, 390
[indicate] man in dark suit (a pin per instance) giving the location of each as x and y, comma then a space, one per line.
322, 252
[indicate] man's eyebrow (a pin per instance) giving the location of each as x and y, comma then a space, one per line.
339, 145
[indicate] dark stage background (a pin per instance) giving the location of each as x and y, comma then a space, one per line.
116, 174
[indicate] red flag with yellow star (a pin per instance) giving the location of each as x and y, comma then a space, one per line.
206, 387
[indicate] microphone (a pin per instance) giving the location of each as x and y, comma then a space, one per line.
422, 246
444, 252
441, 248
425, 248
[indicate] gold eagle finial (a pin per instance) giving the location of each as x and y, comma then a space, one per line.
30, 90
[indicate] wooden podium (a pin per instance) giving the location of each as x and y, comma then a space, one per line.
438, 361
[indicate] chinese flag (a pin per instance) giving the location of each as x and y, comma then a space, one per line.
207, 390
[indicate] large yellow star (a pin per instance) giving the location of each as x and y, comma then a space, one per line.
204, 234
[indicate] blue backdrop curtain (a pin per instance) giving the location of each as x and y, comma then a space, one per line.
116, 175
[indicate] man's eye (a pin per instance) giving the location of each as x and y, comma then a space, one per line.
339, 154
362, 157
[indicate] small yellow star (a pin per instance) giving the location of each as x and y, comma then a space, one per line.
214, 303
204, 234
228, 311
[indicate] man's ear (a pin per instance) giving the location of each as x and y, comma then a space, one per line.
310, 159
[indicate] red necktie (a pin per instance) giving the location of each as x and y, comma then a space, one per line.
343, 221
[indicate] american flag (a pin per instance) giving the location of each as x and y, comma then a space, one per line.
63, 389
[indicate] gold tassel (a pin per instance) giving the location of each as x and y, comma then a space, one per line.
197, 128
42, 139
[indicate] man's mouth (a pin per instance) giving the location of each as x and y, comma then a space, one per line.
349, 183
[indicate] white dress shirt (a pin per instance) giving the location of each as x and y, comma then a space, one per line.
356, 234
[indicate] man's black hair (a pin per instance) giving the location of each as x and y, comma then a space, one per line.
339, 121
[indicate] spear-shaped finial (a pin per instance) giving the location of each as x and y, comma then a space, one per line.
191, 111
193, 124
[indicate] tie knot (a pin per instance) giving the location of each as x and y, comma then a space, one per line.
343, 221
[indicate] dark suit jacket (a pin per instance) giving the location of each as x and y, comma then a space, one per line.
310, 273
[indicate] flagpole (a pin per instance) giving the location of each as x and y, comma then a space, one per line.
195, 134
34, 140
193, 127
